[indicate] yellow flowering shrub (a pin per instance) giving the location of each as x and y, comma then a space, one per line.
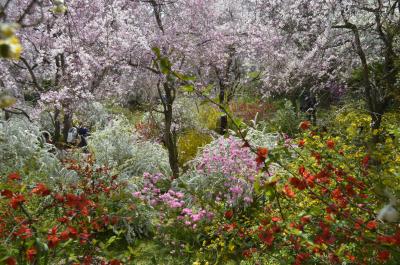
10, 46
189, 143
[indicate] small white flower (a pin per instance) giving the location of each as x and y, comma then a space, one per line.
58, 2
388, 214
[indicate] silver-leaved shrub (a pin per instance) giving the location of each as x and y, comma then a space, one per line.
118, 146
23, 149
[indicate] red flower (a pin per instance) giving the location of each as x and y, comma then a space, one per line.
334, 259
7, 193
389, 240
23, 232
301, 143
59, 197
330, 144
63, 219
228, 214
53, 238
301, 257
305, 219
365, 161
383, 255
267, 237
288, 191
262, 154
31, 254
79, 203
88, 260
72, 231
84, 237
299, 184
41, 189
115, 262
230, 227
14, 176
11, 261
249, 252
64, 235
351, 257
371, 225
16, 201
276, 219
304, 125
317, 156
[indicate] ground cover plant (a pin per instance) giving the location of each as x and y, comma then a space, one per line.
199, 132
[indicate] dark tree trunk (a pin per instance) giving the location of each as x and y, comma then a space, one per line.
223, 122
67, 124
170, 137
7, 115
57, 126
170, 142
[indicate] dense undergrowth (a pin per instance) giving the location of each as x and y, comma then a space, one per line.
322, 194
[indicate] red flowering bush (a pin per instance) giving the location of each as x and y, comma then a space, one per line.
320, 207
79, 223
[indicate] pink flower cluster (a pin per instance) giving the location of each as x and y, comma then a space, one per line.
228, 159
150, 191
173, 200
191, 218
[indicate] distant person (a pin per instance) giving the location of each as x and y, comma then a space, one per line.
309, 106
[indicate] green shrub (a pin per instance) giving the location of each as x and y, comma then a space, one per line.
286, 120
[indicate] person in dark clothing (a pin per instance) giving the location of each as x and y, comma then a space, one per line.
308, 105
83, 132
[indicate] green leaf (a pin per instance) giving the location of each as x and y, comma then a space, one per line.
184, 77
111, 240
257, 184
165, 65
254, 74
157, 51
207, 90
187, 88
270, 193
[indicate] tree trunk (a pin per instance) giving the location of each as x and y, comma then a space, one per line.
223, 122
57, 126
67, 124
7, 115
169, 132
170, 142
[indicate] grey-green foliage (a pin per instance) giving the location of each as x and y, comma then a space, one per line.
118, 146
259, 137
94, 115
146, 157
23, 149
112, 146
185, 115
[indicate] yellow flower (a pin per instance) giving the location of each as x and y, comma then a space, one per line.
59, 9
10, 48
